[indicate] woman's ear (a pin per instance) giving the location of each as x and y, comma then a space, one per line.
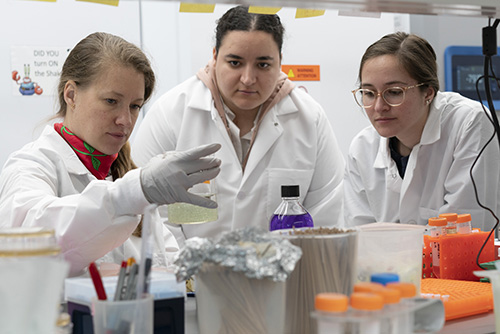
70, 93
430, 94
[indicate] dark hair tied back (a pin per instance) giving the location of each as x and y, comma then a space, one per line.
239, 19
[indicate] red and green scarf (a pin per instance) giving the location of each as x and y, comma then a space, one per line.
96, 162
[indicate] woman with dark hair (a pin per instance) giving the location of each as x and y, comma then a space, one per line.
78, 178
413, 163
272, 133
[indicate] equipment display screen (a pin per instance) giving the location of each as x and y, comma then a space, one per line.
466, 69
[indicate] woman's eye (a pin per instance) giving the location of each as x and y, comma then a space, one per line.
395, 92
234, 63
368, 93
111, 101
135, 107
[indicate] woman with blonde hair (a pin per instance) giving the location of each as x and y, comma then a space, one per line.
78, 178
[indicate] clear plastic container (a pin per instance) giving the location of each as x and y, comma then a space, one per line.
395, 249
437, 227
32, 275
369, 306
464, 223
451, 218
331, 303
290, 213
185, 213
328, 264
394, 323
28, 241
388, 310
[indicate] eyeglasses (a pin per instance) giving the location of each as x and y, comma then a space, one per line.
393, 96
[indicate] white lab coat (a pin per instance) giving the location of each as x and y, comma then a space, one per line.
45, 184
295, 144
437, 175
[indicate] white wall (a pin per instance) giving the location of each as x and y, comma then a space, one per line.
181, 43
48, 24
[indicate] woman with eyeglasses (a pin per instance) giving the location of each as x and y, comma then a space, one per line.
413, 162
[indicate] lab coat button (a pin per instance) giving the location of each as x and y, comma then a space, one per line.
394, 176
241, 195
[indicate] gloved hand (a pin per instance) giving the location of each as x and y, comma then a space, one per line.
167, 177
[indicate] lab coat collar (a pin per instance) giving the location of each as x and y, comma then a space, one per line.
383, 158
430, 134
69, 158
201, 99
432, 129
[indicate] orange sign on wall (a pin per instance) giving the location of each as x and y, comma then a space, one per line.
301, 72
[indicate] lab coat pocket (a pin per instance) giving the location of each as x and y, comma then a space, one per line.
281, 176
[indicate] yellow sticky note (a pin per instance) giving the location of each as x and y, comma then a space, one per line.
263, 10
301, 13
104, 2
196, 8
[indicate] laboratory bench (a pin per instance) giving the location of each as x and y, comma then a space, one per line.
478, 324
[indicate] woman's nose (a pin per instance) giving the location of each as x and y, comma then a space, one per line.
125, 117
379, 103
248, 76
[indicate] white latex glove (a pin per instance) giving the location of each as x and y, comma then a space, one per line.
167, 177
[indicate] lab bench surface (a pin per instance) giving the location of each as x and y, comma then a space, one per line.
478, 324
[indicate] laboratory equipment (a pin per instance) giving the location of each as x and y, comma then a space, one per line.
124, 316
31, 281
451, 227
464, 223
290, 213
186, 213
368, 315
328, 264
390, 248
463, 65
384, 278
436, 228
459, 252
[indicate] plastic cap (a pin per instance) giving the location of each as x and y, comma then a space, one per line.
367, 287
367, 301
390, 296
331, 302
435, 221
463, 218
408, 290
384, 278
290, 191
451, 217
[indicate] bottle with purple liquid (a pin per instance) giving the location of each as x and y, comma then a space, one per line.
290, 213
